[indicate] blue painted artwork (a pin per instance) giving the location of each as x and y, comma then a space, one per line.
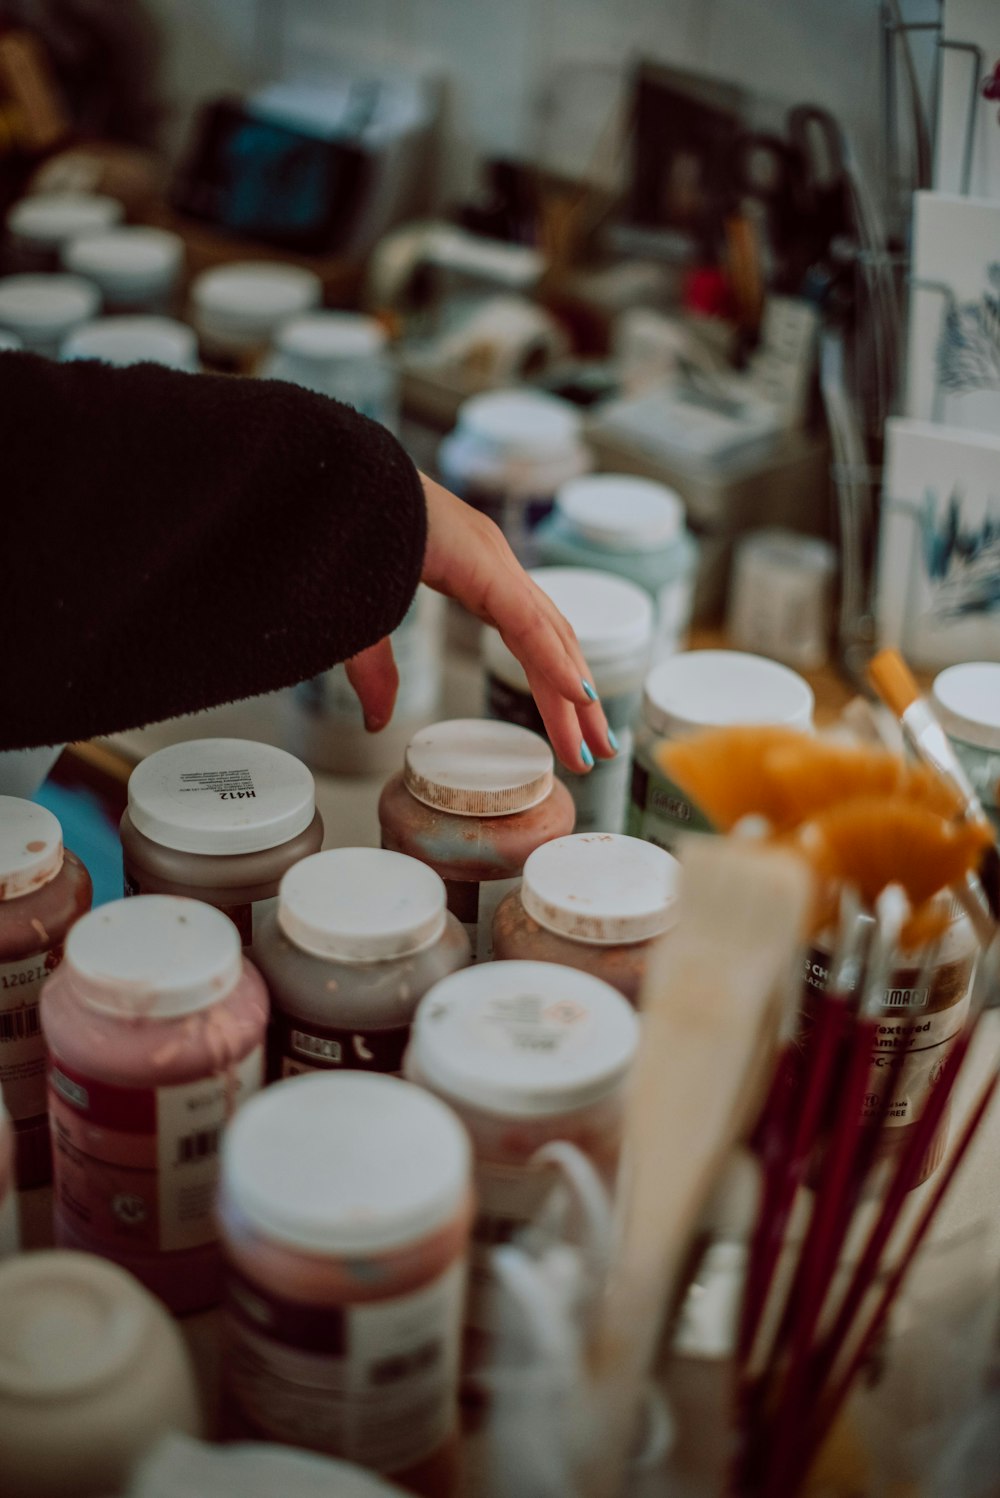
968, 354
962, 561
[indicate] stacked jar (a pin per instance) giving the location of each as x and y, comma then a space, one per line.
342, 355
39, 225
43, 311
237, 309
613, 621
135, 340
136, 268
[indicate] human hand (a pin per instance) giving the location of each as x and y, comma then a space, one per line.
468, 559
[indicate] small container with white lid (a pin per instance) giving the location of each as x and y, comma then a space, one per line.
781, 596
40, 224
613, 621
635, 527
44, 889
93, 1372
220, 820
967, 700
527, 1053
137, 268
135, 340
358, 937
696, 690
345, 1207
155, 1027
42, 311
340, 354
595, 901
178, 1467
473, 800
237, 309
9, 1231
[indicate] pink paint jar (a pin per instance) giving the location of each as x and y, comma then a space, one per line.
155, 1027
526, 1053
345, 1208
595, 901
220, 820
359, 936
473, 800
9, 1232
43, 890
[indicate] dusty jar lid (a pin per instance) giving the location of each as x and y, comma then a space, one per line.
521, 424
31, 847
134, 261
135, 340
50, 218
46, 304
221, 796
523, 1039
361, 904
69, 1323
253, 296
404, 1176
153, 957
620, 512
331, 335
967, 699
601, 887
720, 688
476, 768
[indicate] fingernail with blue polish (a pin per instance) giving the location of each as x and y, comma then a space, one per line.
613, 740
589, 690
586, 755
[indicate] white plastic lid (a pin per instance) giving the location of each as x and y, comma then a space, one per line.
255, 293
131, 261
31, 847
153, 957
601, 887
720, 688
522, 423
179, 1467
967, 699
46, 304
331, 335
135, 340
476, 768
611, 616
50, 218
621, 513
69, 1322
9, 342
523, 1039
221, 796
361, 904
345, 1163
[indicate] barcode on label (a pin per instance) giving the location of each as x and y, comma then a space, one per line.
199, 1146
19, 1024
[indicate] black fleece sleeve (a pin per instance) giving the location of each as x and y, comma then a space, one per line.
174, 541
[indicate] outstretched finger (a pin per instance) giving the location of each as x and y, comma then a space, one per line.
374, 677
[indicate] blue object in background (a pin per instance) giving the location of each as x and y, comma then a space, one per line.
89, 833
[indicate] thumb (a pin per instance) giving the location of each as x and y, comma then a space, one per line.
374, 677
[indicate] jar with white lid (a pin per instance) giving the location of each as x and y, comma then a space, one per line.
596, 901
473, 800
237, 309
136, 267
220, 820
967, 700
613, 621
135, 340
696, 690
345, 1207
341, 354
615, 522
358, 937
39, 225
9, 1230
526, 1053
44, 889
155, 1027
179, 1467
781, 596
93, 1372
42, 311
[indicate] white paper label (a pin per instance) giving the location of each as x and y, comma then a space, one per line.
928, 1039
22, 1046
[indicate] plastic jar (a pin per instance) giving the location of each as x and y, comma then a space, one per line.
44, 310
967, 700
135, 340
137, 268
155, 1029
632, 526
221, 820
340, 354
696, 690
358, 937
93, 1371
43, 890
781, 596
473, 800
345, 1208
613, 621
596, 901
178, 1467
40, 224
237, 309
526, 1053
9, 1232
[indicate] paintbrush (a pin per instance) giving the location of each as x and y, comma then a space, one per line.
894, 683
